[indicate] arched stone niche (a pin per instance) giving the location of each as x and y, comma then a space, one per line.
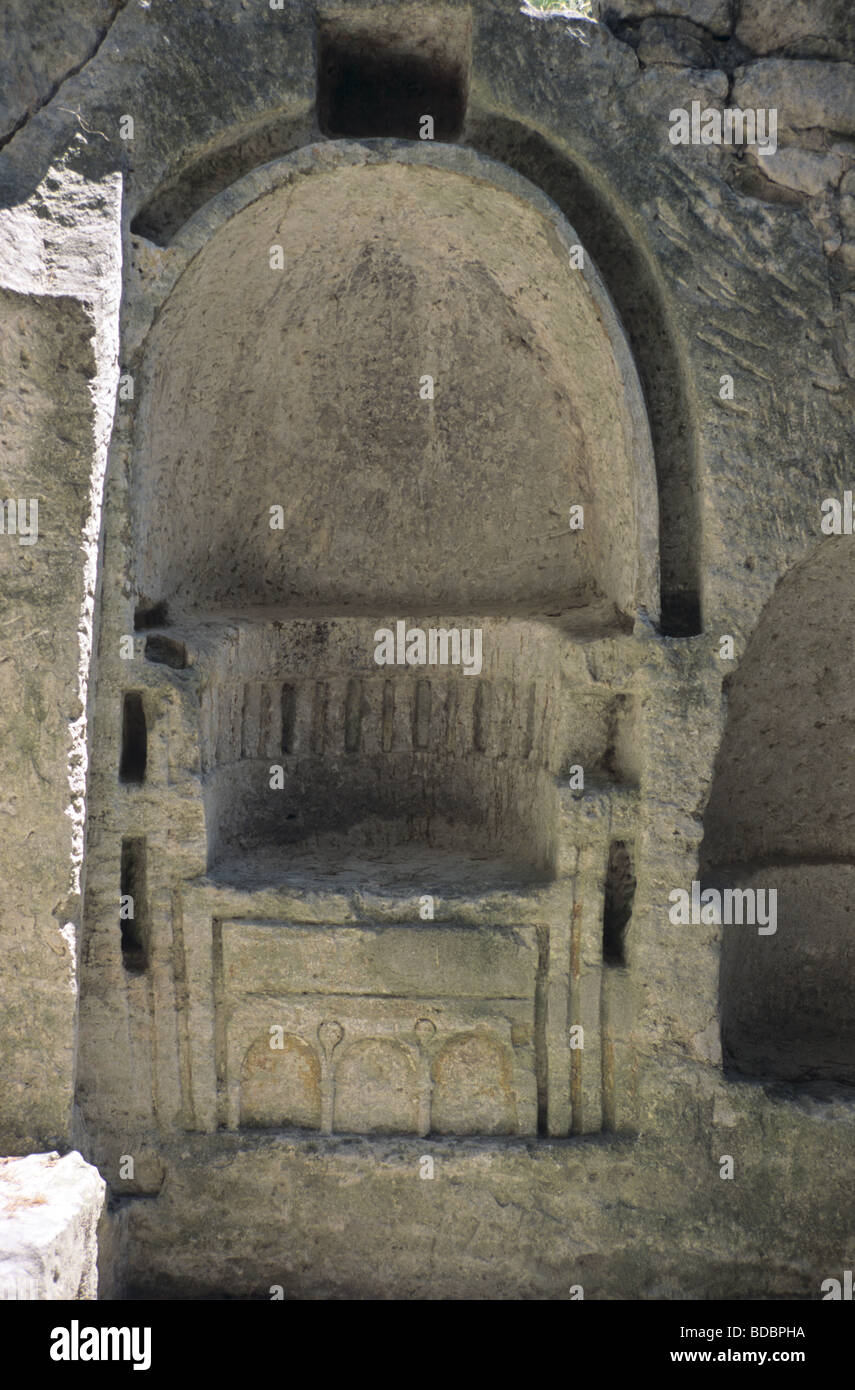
406, 358
302, 388
293, 324
281, 1086
779, 819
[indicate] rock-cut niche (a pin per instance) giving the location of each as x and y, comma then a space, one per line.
779, 819
378, 394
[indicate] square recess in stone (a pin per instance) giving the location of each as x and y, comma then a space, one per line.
381, 71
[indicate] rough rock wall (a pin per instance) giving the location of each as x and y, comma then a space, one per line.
797, 57
59, 309
47, 433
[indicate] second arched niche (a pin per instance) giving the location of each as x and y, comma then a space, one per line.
779, 820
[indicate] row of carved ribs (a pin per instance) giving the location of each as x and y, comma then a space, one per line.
269, 719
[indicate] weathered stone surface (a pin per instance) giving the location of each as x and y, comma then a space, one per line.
40, 45
508, 1220
787, 759
423, 264
806, 94
57, 379
799, 28
805, 171
674, 41
848, 327
50, 1208
715, 15
46, 424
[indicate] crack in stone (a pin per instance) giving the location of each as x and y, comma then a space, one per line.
72, 72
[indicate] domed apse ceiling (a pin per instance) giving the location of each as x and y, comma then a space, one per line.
303, 388
780, 819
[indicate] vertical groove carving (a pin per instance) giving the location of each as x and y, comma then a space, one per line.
388, 716
481, 717
421, 714
288, 703
530, 715
319, 716
250, 719
353, 716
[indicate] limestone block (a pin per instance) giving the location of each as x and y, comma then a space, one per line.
674, 41
805, 94
711, 14
803, 28
805, 171
49, 1213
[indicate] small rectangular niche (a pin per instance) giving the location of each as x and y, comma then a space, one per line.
381, 71
619, 762
680, 614
134, 754
147, 614
133, 905
165, 651
618, 900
